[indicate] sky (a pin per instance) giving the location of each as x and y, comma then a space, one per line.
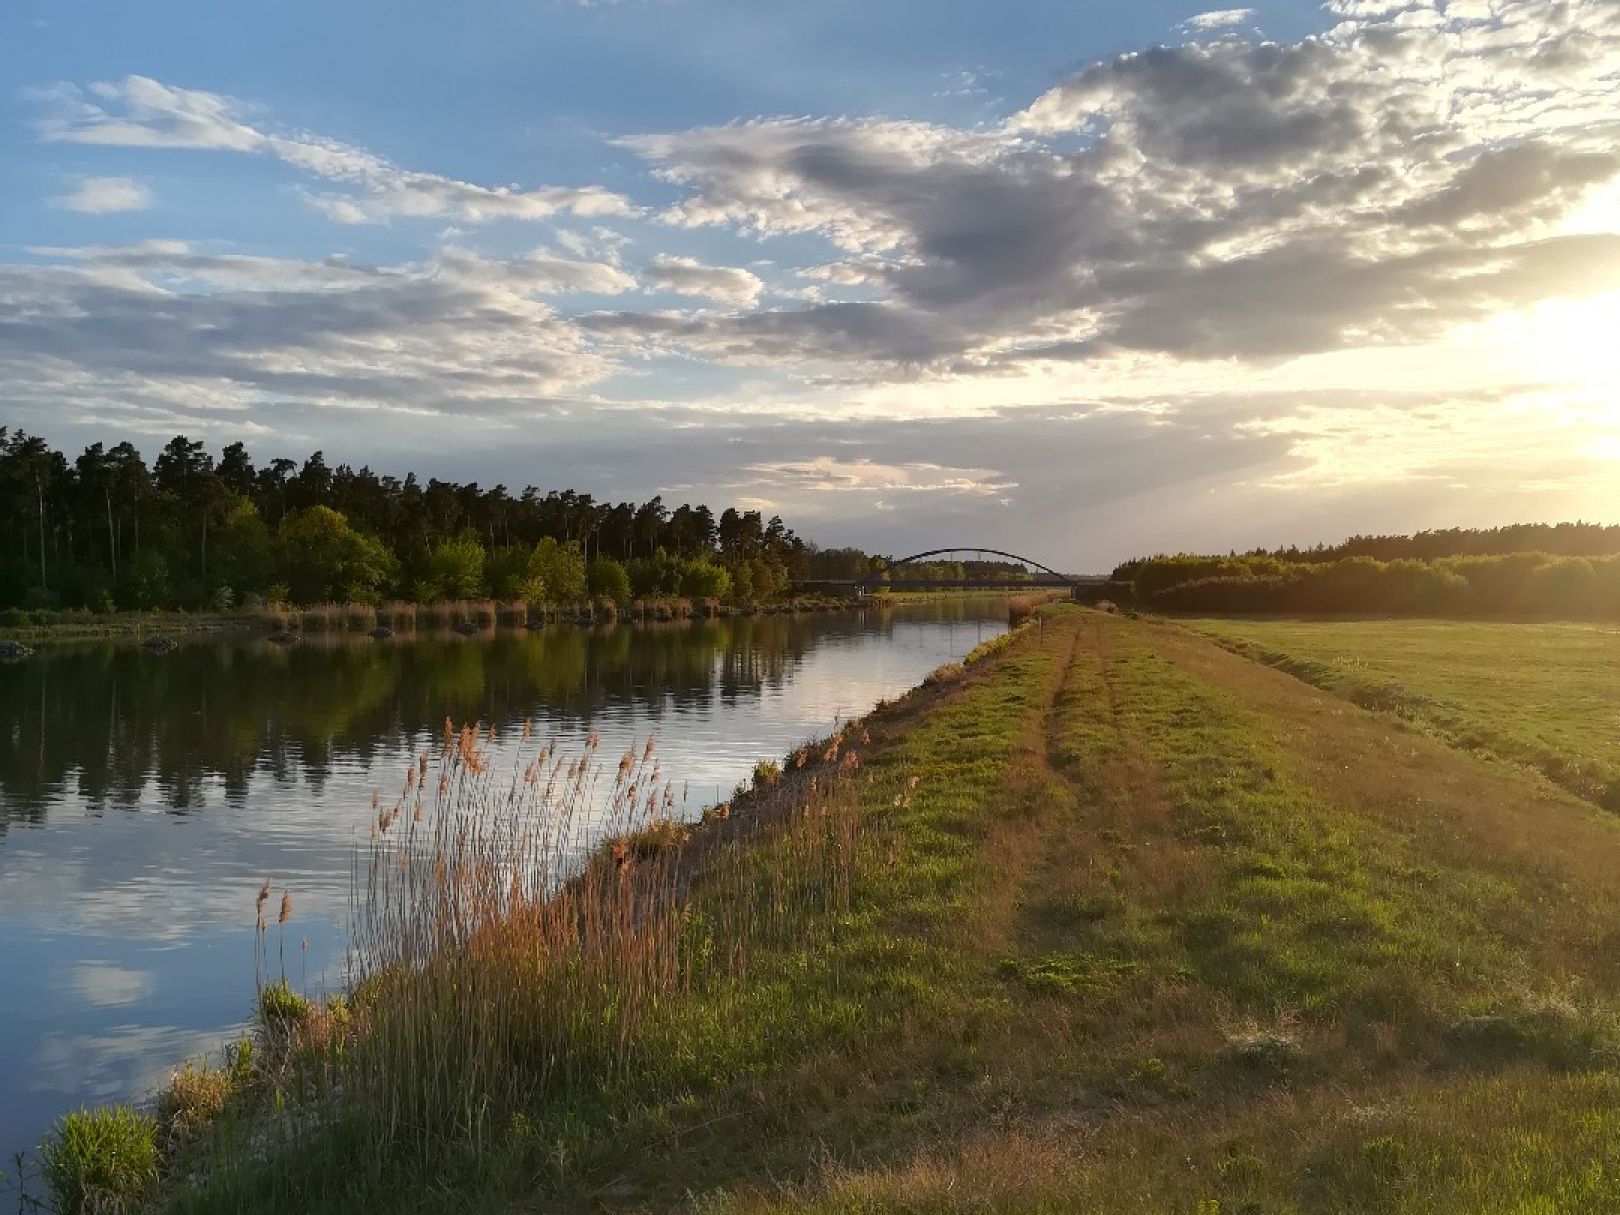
1078, 279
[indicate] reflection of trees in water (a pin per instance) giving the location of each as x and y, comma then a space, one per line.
111, 723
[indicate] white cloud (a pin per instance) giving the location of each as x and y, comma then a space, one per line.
100, 195
1220, 18
824, 474
687, 276
140, 112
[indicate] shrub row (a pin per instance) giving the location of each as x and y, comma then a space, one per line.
1534, 584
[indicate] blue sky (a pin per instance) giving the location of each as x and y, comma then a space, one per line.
1080, 278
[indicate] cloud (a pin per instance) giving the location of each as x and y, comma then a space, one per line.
1154, 284
1220, 18
139, 112
825, 474
100, 195
158, 330
687, 276
1378, 184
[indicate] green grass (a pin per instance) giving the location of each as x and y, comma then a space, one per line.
101, 1162
1547, 695
1130, 923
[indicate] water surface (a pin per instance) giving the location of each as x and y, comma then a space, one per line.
145, 797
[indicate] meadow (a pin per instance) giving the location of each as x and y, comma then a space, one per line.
1542, 694
1108, 918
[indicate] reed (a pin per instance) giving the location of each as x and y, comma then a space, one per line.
398, 615
436, 615
319, 617
526, 937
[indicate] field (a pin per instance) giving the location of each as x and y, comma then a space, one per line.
1546, 695
1131, 923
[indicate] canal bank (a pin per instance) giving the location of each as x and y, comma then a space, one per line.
1111, 919
145, 796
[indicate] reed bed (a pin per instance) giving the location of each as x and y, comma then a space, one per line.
399, 615
482, 612
528, 937
440, 614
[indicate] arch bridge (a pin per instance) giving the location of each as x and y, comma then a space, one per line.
1036, 576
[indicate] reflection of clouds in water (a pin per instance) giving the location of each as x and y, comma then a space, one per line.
105, 984
120, 1062
138, 897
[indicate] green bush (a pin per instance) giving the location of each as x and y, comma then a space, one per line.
606, 579
101, 1160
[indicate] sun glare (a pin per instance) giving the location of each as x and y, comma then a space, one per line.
1576, 341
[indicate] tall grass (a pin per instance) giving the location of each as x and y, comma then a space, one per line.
523, 939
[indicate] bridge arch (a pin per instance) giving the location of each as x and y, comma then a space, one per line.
876, 579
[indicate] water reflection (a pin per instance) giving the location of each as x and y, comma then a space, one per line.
144, 797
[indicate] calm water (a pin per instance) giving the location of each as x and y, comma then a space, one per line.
144, 798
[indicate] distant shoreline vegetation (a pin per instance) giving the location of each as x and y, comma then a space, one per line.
1564, 570
106, 533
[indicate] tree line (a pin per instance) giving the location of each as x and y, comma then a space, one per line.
109, 531
1576, 539
1530, 582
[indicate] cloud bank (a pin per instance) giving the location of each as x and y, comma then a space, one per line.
1116, 256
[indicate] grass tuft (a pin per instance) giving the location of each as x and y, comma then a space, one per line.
101, 1161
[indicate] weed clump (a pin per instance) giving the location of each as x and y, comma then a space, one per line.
1265, 1052
280, 1005
101, 1161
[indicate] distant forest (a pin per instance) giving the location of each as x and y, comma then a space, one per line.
1542, 569
109, 531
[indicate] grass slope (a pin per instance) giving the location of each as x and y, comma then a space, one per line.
1137, 924
1546, 695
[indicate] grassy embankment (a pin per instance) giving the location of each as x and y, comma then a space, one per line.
1546, 695
1126, 922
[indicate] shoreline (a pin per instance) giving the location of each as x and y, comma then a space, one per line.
449, 616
